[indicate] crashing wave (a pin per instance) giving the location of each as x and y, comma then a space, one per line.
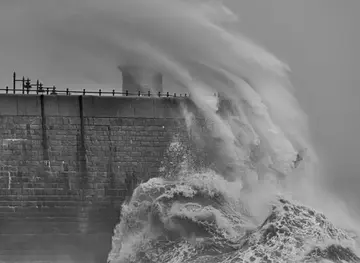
197, 216
201, 218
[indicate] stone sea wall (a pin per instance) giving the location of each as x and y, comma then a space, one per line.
68, 162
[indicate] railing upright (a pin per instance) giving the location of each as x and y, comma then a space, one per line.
14, 82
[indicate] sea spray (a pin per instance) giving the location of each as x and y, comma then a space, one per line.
186, 40
195, 44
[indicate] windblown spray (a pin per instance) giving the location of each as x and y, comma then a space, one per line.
213, 215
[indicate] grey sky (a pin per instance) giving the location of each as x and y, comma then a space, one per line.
317, 38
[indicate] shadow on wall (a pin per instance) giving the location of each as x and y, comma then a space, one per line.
131, 182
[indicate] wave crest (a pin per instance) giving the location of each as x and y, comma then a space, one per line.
202, 217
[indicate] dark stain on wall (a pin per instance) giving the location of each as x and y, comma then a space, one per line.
81, 153
110, 168
45, 144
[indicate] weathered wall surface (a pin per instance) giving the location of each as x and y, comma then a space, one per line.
63, 164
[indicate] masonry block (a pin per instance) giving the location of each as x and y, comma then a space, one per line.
62, 106
8, 105
107, 107
28, 105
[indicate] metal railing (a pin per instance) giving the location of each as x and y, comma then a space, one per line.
27, 87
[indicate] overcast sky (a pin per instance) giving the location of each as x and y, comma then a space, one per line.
319, 39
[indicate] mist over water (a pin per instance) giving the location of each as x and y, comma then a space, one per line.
195, 44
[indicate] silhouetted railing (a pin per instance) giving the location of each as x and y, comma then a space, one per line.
27, 87
54, 91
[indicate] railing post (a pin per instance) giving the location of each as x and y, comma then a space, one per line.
23, 85
53, 91
28, 86
14, 82
37, 86
41, 89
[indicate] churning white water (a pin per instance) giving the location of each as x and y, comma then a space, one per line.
212, 215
